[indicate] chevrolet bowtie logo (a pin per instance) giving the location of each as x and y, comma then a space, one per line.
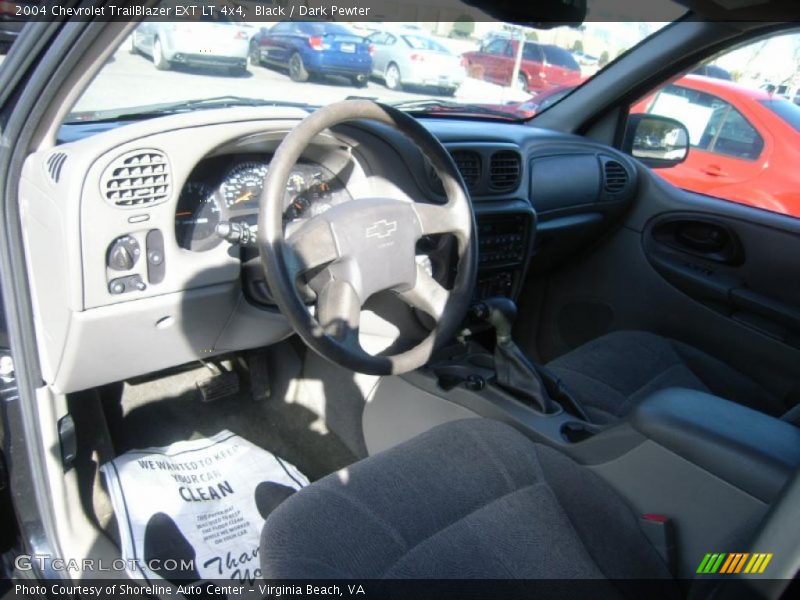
381, 229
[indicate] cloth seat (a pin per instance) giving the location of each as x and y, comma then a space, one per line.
613, 373
467, 499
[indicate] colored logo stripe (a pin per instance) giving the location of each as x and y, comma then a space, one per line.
734, 562
711, 563
758, 563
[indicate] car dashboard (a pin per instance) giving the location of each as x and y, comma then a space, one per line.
227, 189
128, 275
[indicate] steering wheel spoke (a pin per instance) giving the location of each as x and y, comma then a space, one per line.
428, 295
339, 312
436, 219
312, 245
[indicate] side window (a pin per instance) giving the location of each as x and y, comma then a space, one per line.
497, 47
714, 124
740, 108
532, 52
560, 58
379, 38
737, 138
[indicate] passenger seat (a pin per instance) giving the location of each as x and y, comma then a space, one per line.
613, 373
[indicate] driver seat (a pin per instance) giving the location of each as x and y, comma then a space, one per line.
467, 499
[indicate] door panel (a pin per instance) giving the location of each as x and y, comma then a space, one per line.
721, 277
705, 172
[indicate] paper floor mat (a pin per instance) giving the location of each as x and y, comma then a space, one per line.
194, 510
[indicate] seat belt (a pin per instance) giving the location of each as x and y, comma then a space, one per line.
660, 530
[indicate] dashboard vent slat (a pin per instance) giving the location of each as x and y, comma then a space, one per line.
138, 178
469, 165
616, 177
504, 170
54, 165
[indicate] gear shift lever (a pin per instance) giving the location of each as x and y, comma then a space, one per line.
515, 373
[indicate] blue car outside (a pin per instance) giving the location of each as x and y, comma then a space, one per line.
312, 48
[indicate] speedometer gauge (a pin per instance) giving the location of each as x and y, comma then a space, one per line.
242, 187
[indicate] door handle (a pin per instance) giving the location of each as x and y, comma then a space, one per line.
701, 237
714, 171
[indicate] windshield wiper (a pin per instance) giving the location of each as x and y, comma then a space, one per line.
431, 106
169, 108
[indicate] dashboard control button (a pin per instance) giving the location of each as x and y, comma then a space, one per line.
123, 253
124, 285
121, 259
155, 256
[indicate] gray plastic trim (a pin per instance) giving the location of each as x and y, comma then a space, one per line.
707, 511
397, 411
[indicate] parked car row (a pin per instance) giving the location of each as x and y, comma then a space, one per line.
399, 56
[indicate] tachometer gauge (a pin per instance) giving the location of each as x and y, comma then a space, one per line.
197, 217
242, 186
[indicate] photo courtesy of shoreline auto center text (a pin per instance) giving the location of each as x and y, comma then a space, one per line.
413, 299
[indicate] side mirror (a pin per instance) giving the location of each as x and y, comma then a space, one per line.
659, 142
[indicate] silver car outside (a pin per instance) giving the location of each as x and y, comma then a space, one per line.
405, 58
219, 44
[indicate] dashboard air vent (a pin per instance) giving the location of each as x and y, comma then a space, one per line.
469, 165
54, 164
136, 179
504, 170
616, 177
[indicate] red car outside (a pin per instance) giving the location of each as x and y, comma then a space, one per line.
542, 67
745, 142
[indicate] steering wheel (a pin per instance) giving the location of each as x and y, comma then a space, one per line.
364, 246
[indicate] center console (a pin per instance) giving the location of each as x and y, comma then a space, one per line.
504, 242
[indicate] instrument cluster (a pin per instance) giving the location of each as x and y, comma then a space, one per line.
229, 189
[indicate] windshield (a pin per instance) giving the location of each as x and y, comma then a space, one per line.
467, 65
